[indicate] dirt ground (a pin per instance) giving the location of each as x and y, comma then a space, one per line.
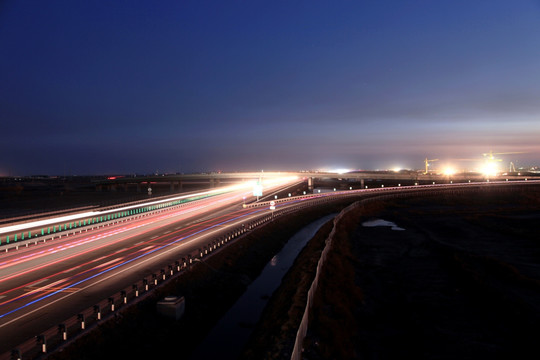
462, 281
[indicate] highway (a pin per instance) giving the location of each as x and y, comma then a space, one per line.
42, 285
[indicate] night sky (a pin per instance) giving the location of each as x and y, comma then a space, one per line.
133, 87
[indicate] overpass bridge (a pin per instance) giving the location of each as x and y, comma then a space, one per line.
166, 238
214, 179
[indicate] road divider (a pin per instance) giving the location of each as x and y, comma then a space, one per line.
59, 336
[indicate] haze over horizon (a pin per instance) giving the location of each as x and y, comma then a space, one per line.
138, 87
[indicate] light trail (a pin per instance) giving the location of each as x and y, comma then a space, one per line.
127, 227
108, 269
38, 282
227, 219
90, 214
154, 240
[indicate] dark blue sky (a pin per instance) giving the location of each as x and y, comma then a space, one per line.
91, 87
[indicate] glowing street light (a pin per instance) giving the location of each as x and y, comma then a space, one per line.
449, 171
490, 169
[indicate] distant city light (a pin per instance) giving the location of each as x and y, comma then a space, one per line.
449, 171
490, 169
340, 171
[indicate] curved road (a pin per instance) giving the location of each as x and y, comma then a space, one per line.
43, 285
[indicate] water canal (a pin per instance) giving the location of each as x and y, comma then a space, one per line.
227, 339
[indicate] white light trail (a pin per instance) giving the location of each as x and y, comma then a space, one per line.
68, 218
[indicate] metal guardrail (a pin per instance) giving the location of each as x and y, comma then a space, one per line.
409, 188
84, 224
69, 330
297, 350
57, 337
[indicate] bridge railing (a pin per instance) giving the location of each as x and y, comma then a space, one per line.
100, 218
112, 306
59, 336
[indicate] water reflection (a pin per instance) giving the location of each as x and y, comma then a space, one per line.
379, 222
229, 336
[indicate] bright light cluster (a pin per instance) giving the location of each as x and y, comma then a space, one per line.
248, 185
449, 171
265, 182
490, 169
340, 171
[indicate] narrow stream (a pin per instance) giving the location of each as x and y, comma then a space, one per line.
229, 336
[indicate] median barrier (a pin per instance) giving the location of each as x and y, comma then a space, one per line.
74, 325
145, 283
80, 318
111, 303
106, 217
97, 312
77, 324
62, 331
42, 342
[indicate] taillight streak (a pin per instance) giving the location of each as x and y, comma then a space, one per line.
227, 218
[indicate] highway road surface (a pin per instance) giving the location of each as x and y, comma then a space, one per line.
42, 285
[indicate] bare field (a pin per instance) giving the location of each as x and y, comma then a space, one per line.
462, 281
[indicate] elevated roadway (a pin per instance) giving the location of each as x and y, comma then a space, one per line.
214, 179
44, 284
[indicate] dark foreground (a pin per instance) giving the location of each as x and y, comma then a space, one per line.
210, 290
461, 282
